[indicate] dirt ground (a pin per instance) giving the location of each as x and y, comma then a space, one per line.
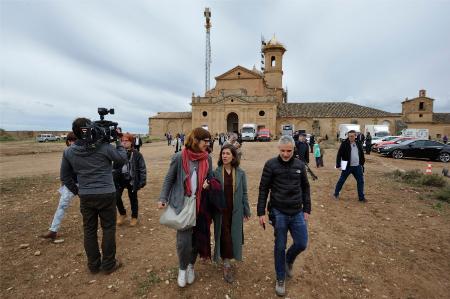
394, 246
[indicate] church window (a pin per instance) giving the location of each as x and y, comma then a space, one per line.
204, 113
272, 61
421, 106
239, 73
262, 113
420, 115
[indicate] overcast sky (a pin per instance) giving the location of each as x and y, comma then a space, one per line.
62, 59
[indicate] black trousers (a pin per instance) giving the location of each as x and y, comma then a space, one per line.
133, 200
92, 207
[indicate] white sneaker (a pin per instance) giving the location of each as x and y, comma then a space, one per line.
190, 274
181, 278
280, 288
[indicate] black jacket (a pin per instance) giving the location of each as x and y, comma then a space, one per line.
302, 151
288, 185
344, 153
138, 171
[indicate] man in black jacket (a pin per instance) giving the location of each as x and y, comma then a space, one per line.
302, 148
92, 166
289, 207
312, 140
350, 159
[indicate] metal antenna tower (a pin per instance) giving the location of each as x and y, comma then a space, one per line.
207, 14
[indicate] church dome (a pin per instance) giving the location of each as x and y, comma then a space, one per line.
274, 42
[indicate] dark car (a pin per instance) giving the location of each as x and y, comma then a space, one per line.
418, 149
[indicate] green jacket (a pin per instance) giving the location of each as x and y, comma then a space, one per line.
241, 208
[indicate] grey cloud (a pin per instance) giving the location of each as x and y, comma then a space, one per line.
146, 57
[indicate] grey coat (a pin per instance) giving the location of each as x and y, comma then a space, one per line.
92, 166
241, 208
172, 191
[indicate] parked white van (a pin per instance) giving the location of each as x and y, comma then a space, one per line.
46, 138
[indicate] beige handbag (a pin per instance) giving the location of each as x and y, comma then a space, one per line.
184, 220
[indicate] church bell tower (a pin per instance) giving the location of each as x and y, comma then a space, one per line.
273, 64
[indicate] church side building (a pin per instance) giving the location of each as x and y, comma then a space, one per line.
243, 96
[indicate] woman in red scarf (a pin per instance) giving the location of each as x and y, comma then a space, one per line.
187, 177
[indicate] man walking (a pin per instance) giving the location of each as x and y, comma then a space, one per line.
92, 165
302, 148
368, 143
137, 142
350, 159
284, 177
64, 201
312, 140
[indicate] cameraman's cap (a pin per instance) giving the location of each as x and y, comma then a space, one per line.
303, 134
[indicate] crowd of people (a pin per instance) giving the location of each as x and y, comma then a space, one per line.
99, 175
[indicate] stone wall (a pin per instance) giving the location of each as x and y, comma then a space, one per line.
159, 126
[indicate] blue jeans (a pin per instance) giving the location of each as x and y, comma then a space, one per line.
357, 172
296, 225
64, 203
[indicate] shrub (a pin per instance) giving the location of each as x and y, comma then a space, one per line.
7, 138
411, 176
434, 180
443, 194
417, 178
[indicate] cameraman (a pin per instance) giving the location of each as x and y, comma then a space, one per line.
92, 166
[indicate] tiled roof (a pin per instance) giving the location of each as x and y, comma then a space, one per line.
443, 118
173, 115
329, 109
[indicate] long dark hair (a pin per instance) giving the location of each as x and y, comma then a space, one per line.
235, 162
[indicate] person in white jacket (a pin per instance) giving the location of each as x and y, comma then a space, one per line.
176, 142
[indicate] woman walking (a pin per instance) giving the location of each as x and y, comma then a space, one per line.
229, 226
132, 176
186, 178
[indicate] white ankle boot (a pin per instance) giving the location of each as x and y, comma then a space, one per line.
190, 274
181, 278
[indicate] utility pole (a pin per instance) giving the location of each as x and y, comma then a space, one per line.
207, 14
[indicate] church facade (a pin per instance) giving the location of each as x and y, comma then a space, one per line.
243, 96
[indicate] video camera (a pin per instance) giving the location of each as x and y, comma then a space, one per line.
101, 131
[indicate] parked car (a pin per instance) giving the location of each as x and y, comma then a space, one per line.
375, 140
397, 140
263, 135
418, 149
46, 138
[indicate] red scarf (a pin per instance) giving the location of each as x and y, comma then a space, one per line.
203, 166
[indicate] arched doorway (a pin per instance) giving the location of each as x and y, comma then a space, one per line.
232, 122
